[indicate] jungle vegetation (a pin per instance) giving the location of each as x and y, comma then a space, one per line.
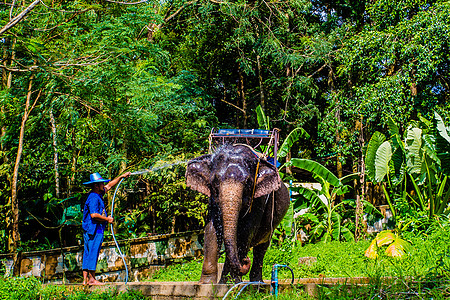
112, 86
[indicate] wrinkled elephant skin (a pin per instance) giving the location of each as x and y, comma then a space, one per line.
242, 213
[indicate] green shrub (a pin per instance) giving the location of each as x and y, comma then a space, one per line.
13, 288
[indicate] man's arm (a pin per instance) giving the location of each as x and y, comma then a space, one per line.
99, 217
115, 181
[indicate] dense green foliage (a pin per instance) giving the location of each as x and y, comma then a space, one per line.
20, 287
422, 274
32, 289
428, 257
111, 86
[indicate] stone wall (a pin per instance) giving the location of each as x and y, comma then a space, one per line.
143, 256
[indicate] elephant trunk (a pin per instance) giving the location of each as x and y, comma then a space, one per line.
230, 199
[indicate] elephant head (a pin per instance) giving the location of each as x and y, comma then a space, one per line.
232, 177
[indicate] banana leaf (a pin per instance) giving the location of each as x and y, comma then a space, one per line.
263, 121
428, 146
293, 136
336, 227
287, 223
305, 195
392, 126
347, 234
350, 177
312, 217
315, 168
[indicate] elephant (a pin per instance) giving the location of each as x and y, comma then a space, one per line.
247, 201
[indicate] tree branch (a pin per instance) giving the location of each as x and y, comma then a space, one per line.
167, 19
19, 17
234, 105
65, 11
127, 3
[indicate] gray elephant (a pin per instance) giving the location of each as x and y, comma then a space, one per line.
247, 202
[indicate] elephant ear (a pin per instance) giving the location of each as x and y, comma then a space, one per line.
268, 179
197, 174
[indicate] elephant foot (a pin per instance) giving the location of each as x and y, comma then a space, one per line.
207, 279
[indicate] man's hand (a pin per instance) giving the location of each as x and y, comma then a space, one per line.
99, 217
116, 181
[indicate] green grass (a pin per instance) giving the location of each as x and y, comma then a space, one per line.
423, 274
13, 288
429, 253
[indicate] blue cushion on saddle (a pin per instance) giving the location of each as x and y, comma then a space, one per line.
244, 131
272, 161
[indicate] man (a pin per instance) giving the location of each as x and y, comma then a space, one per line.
95, 220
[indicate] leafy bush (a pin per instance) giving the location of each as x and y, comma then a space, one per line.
30, 288
19, 288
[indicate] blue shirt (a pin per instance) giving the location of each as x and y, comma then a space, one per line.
94, 204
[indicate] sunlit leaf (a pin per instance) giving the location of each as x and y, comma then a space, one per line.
382, 158
384, 238
371, 252
398, 248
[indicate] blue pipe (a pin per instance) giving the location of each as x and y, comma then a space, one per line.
274, 279
246, 284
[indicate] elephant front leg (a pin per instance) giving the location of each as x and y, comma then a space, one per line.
211, 255
258, 259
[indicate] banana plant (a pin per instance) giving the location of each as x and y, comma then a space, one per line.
263, 120
289, 141
322, 204
421, 158
287, 225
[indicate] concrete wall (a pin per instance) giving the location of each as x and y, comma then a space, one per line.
143, 256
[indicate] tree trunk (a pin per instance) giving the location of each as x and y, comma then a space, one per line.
55, 153
174, 219
75, 154
338, 141
261, 87
14, 225
361, 184
7, 84
241, 93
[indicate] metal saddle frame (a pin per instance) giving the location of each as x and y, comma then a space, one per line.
260, 140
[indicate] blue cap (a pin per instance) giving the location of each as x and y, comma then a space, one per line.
94, 178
